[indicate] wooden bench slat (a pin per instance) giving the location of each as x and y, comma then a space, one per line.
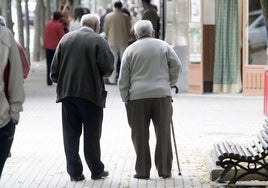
246, 151
235, 151
253, 151
240, 151
263, 142
228, 148
259, 147
266, 122
217, 151
265, 126
264, 135
223, 149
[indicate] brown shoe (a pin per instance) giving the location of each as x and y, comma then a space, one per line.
141, 177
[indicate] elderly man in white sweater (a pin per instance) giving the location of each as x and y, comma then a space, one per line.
150, 67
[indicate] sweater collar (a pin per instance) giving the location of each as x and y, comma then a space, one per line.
86, 28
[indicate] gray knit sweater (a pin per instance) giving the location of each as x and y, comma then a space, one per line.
149, 68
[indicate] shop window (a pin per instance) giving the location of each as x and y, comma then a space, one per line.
195, 32
257, 35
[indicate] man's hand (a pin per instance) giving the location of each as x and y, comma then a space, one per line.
15, 122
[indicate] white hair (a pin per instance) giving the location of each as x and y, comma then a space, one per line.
143, 28
2, 21
89, 19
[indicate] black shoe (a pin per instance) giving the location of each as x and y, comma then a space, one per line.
141, 177
100, 176
78, 178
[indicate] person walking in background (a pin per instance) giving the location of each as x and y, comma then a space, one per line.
75, 23
54, 31
150, 13
11, 92
108, 10
117, 29
149, 68
81, 60
78, 13
65, 19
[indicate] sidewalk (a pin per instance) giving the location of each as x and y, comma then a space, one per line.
38, 158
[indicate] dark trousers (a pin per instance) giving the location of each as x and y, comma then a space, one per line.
49, 57
79, 113
6, 140
140, 113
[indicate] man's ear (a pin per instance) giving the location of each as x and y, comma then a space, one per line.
136, 36
153, 33
97, 27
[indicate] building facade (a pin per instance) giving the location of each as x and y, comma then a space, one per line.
222, 43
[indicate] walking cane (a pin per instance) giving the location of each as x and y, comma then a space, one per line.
173, 134
175, 146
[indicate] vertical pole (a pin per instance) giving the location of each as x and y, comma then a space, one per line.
162, 19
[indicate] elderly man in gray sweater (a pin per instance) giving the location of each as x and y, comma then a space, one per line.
150, 67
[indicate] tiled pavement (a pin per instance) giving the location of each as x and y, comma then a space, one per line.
200, 120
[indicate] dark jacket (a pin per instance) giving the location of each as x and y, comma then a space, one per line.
151, 15
81, 60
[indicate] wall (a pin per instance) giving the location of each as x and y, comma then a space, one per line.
209, 12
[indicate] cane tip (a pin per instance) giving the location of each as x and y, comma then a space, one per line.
179, 174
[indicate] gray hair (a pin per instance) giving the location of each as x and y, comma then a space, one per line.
143, 28
2, 21
89, 20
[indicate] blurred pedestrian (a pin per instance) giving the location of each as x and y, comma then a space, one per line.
78, 13
150, 13
81, 60
117, 28
65, 19
53, 32
108, 10
11, 92
24, 60
149, 68
75, 23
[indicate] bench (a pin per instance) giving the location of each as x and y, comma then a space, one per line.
250, 158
